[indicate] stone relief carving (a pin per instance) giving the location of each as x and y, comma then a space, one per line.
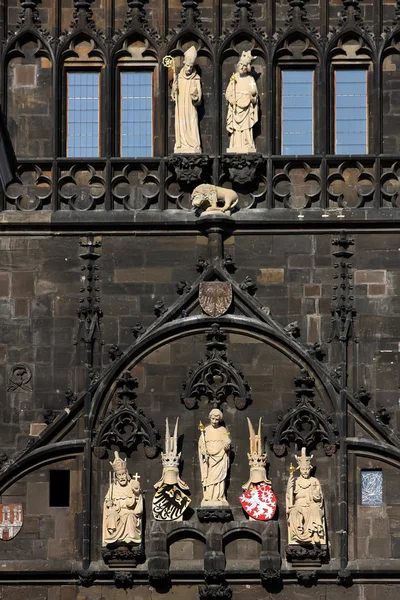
215, 297
187, 95
216, 379
305, 510
170, 500
242, 98
214, 199
126, 426
123, 506
214, 447
19, 378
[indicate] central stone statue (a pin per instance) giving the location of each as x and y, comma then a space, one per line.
123, 506
214, 447
242, 97
186, 93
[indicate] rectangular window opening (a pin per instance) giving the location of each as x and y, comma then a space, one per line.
351, 111
83, 114
297, 111
371, 488
136, 113
59, 488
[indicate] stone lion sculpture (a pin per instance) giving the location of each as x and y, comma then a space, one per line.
214, 199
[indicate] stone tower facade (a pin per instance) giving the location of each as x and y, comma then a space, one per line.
121, 304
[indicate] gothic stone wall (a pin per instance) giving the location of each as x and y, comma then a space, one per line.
294, 274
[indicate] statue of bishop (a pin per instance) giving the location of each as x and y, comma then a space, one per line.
242, 97
123, 506
305, 505
170, 500
187, 95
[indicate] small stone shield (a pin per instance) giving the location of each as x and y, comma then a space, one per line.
259, 502
169, 503
11, 519
215, 297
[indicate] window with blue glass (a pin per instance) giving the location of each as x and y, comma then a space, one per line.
371, 488
136, 113
297, 111
83, 114
351, 111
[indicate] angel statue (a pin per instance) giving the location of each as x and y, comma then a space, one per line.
214, 448
305, 505
123, 506
170, 500
242, 97
187, 94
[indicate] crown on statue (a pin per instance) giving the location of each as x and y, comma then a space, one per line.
119, 464
171, 456
257, 460
303, 460
171, 459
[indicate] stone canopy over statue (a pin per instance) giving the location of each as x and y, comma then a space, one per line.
123, 506
214, 448
242, 97
305, 505
187, 95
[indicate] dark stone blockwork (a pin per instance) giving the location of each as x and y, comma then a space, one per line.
100, 268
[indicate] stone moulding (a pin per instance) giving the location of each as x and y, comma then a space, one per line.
214, 515
123, 555
313, 554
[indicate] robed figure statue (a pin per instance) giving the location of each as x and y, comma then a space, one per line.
305, 505
123, 506
214, 447
242, 98
187, 95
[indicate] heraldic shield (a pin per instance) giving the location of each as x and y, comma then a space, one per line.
169, 503
11, 519
215, 297
259, 502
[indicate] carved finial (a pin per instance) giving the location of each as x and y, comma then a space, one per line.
351, 13
297, 13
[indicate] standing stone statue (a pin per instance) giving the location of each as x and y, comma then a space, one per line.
242, 97
305, 505
170, 500
123, 506
214, 447
186, 93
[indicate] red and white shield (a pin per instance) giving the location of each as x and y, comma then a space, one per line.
259, 502
11, 519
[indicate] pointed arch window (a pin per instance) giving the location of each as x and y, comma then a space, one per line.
83, 117
136, 137
351, 122
297, 111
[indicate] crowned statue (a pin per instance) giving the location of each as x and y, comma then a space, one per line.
170, 500
305, 505
187, 95
214, 449
123, 506
242, 98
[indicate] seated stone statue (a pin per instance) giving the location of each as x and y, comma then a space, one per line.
123, 506
305, 505
214, 199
